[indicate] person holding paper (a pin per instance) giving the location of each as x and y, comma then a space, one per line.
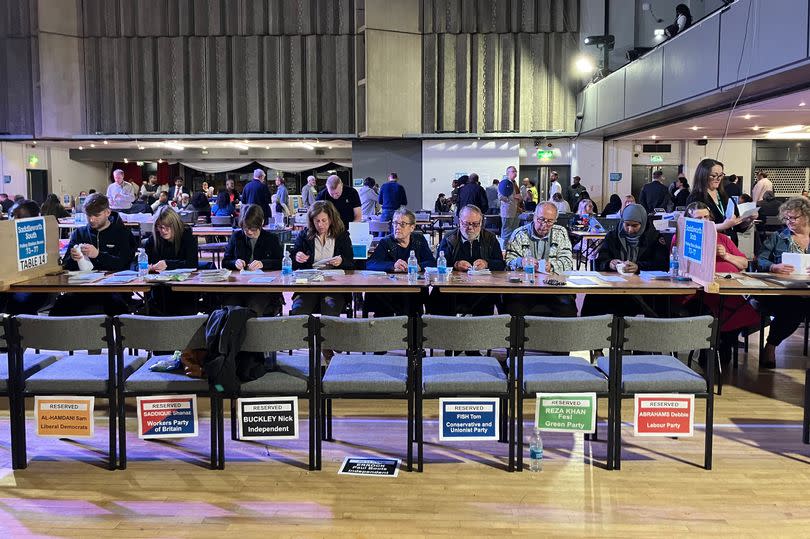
707, 187
630, 248
109, 246
251, 248
171, 246
391, 255
325, 243
468, 247
120, 193
788, 311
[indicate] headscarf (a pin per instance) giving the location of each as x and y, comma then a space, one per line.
629, 242
613, 205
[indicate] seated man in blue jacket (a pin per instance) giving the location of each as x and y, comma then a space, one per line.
391, 255
108, 245
469, 247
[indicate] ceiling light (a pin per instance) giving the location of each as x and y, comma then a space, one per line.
694, 128
267, 147
584, 65
307, 145
786, 129
755, 128
658, 32
126, 160
654, 137
205, 147
141, 147
92, 145
174, 145
81, 147
330, 147
34, 142
240, 146
139, 163
246, 141
160, 160
802, 104
105, 142
705, 136
747, 116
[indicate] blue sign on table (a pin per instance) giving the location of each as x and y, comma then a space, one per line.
468, 419
693, 240
31, 248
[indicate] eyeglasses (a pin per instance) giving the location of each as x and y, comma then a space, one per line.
163, 227
792, 218
545, 221
715, 176
468, 224
252, 230
402, 224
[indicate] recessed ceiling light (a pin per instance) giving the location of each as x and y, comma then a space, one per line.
92, 145
694, 128
802, 104
705, 136
34, 142
267, 147
205, 147
329, 147
126, 160
240, 146
81, 147
246, 141
747, 116
755, 128
654, 137
174, 145
141, 147
105, 142
160, 160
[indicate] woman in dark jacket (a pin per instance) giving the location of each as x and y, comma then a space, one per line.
223, 207
251, 248
681, 194
324, 244
707, 187
171, 246
53, 206
639, 249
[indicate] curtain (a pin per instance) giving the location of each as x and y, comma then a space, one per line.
293, 166
214, 167
346, 164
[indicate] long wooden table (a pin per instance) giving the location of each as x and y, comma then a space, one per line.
59, 283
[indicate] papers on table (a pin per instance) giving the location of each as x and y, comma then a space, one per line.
484, 271
125, 273
81, 277
371, 273
251, 272
166, 277
592, 277
119, 279
262, 280
655, 275
333, 272
323, 263
585, 281
612, 278
178, 271
214, 276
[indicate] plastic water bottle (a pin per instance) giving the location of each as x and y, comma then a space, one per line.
441, 267
536, 452
528, 267
143, 263
674, 263
413, 268
286, 266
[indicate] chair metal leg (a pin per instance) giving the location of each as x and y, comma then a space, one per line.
122, 432
519, 434
707, 463
410, 431
502, 417
214, 439
512, 411
234, 434
221, 434
617, 435
22, 449
806, 421
806, 333
329, 420
312, 432
113, 431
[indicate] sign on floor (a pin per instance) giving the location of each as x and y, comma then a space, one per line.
465, 419
167, 416
267, 418
64, 417
380, 467
566, 412
664, 415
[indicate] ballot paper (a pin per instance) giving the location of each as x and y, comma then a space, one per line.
799, 261
746, 209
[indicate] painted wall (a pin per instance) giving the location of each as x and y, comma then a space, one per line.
618, 158
442, 160
377, 158
736, 155
13, 163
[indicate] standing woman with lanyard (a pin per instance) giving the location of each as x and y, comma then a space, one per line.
707, 187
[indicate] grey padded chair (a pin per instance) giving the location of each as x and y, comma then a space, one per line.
152, 333
292, 375
221, 220
79, 374
12, 374
466, 376
351, 376
657, 373
562, 373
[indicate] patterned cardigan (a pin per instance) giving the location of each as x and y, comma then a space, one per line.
559, 257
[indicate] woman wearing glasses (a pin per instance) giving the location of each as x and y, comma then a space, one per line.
707, 187
391, 255
171, 246
787, 311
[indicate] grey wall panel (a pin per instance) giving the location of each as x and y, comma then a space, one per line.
774, 38
198, 67
219, 101
681, 79
172, 65
17, 18
16, 105
500, 16
429, 82
643, 84
313, 83
589, 107
506, 102
610, 100
343, 120
274, 112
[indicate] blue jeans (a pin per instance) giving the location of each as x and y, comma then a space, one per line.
387, 215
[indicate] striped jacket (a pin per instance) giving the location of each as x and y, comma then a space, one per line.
558, 256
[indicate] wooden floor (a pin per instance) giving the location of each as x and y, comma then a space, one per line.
758, 487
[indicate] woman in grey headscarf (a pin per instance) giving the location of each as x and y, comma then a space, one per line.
636, 246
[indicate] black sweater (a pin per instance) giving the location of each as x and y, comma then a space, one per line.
115, 245
653, 255
343, 248
267, 250
186, 257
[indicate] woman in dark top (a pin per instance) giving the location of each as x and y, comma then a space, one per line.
681, 194
252, 248
707, 187
199, 202
223, 207
637, 247
171, 246
614, 205
324, 244
52, 206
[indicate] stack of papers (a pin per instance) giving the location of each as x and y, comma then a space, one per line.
119, 279
308, 276
799, 261
262, 280
214, 276
178, 271
81, 277
251, 272
165, 277
655, 275
371, 273
484, 271
333, 272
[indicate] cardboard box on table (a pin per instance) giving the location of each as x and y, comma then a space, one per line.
46, 262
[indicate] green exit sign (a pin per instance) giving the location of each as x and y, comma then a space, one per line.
655, 159
33, 160
545, 155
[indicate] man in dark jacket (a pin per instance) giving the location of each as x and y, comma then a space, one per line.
469, 247
392, 197
108, 245
256, 192
655, 194
471, 193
